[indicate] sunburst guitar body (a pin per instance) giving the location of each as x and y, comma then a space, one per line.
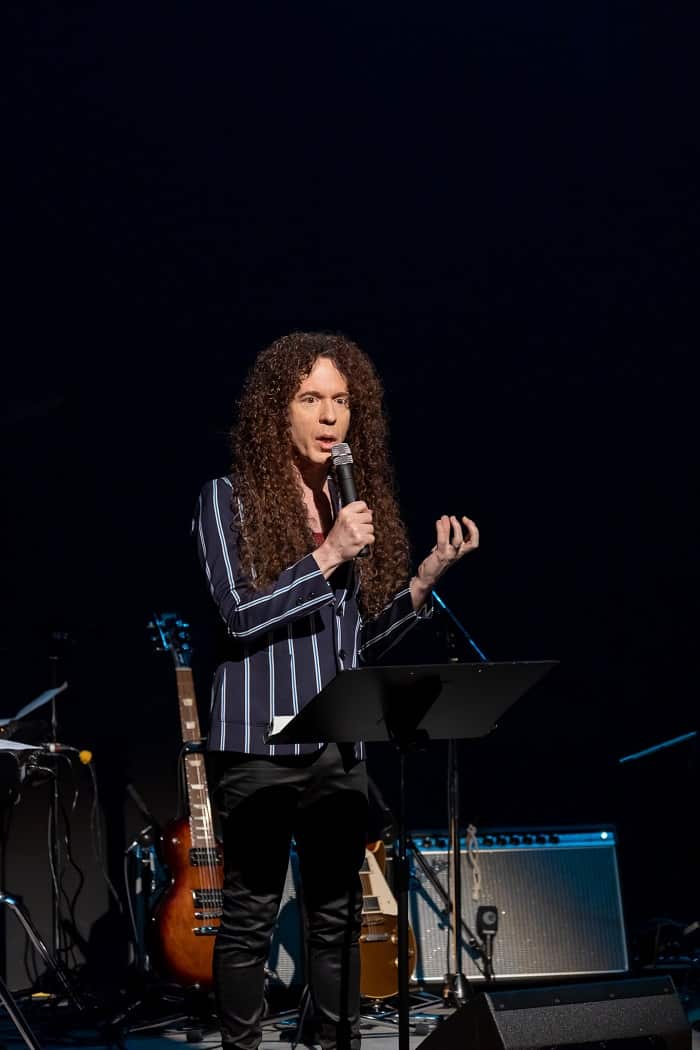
188, 915
379, 937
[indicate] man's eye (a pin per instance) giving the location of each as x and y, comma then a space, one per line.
343, 401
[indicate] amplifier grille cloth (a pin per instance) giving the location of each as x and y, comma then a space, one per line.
286, 960
559, 912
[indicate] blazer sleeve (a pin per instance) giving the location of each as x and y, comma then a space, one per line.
247, 612
390, 625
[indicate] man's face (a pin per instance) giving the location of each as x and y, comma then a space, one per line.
320, 412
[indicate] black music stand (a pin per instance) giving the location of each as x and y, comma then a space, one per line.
409, 706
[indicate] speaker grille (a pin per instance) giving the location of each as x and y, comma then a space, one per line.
285, 965
559, 905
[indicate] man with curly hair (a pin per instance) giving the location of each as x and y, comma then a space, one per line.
279, 553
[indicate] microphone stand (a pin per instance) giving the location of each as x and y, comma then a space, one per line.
54, 809
455, 987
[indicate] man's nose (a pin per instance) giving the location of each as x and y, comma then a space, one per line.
328, 411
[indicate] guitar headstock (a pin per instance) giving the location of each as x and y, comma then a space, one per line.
170, 633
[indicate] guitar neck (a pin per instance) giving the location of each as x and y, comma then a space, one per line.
201, 824
189, 717
377, 898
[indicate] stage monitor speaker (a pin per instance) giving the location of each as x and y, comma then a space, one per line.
625, 1015
558, 898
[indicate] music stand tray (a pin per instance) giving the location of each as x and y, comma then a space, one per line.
409, 706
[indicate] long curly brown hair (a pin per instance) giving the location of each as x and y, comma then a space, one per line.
275, 531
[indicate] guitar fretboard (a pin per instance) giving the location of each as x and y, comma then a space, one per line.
201, 825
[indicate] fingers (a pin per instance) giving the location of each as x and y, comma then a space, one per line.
457, 534
353, 529
454, 537
473, 533
442, 528
358, 510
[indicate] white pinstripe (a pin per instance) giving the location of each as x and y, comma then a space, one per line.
339, 635
246, 696
279, 619
317, 667
317, 663
202, 543
390, 630
222, 715
358, 624
279, 590
293, 673
222, 540
271, 668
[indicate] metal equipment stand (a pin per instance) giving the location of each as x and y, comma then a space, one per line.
409, 706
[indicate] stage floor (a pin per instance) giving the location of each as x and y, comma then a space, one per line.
377, 1034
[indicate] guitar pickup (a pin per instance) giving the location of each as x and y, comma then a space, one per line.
201, 857
208, 898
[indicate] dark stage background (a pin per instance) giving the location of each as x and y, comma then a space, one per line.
498, 201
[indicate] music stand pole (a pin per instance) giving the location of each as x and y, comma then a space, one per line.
401, 885
409, 706
54, 810
456, 987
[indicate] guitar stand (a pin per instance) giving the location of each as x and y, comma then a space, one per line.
468, 934
386, 1011
20, 1022
190, 1015
17, 1017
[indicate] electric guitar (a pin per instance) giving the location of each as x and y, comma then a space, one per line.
379, 937
188, 914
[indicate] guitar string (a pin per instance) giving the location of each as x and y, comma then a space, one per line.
209, 880
208, 873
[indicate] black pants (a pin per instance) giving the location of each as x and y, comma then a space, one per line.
321, 800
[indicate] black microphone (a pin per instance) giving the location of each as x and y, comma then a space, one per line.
486, 928
342, 465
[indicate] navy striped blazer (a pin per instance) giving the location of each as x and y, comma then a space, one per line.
286, 641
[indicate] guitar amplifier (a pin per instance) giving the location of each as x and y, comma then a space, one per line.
286, 963
558, 898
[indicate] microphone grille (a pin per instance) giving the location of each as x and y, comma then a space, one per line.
341, 454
